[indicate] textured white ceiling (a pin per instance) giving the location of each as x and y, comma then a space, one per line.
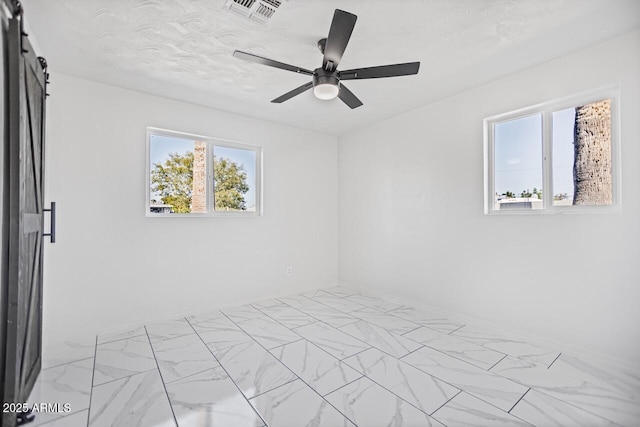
182, 49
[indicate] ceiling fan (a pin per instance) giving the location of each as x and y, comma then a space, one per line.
327, 80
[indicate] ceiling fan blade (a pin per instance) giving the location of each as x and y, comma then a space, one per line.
394, 70
297, 91
339, 35
270, 62
348, 97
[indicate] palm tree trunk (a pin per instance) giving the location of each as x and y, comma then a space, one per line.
592, 154
198, 194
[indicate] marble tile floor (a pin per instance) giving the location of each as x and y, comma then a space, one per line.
331, 357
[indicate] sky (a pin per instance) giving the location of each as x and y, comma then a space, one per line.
518, 153
161, 146
563, 122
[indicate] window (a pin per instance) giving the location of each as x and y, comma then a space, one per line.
559, 157
196, 175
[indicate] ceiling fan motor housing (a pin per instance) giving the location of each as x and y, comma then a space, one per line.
324, 77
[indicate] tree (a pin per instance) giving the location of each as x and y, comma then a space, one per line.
230, 185
537, 192
592, 181
526, 193
174, 181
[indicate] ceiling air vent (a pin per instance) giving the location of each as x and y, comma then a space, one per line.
258, 10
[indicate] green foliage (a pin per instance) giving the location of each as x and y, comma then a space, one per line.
537, 192
526, 193
509, 194
230, 185
174, 181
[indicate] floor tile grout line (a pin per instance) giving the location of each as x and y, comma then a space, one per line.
302, 380
333, 308
343, 295
164, 384
327, 305
494, 365
357, 353
411, 352
338, 329
316, 392
573, 405
521, 397
287, 343
554, 360
274, 388
127, 376
455, 386
319, 321
418, 326
93, 374
343, 385
440, 407
456, 329
416, 322
273, 318
163, 339
227, 372
258, 307
298, 377
458, 358
384, 351
121, 339
239, 325
192, 375
355, 319
291, 296
313, 390
297, 327
293, 308
414, 329
338, 361
393, 315
395, 394
397, 308
68, 363
421, 370
512, 339
387, 311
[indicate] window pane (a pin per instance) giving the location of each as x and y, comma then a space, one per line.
171, 161
582, 155
234, 171
518, 163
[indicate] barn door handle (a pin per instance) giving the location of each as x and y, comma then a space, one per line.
52, 233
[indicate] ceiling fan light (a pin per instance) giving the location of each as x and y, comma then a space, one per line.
326, 91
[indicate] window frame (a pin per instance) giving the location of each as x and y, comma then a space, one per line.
211, 142
546, 110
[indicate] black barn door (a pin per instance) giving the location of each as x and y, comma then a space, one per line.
25, 84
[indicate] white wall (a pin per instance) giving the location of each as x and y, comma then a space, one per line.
411, 215
113, 266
